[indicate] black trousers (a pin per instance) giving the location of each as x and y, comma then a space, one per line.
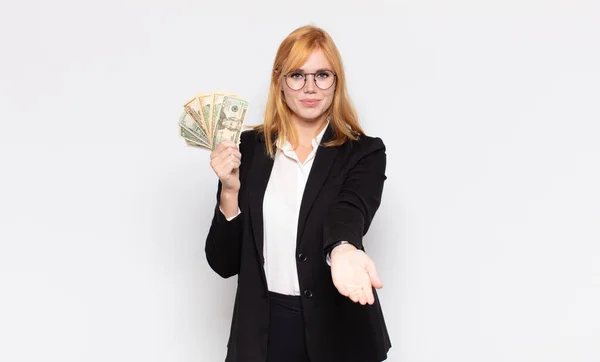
286, 329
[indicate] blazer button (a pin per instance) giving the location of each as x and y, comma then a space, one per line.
308, 293
302, 257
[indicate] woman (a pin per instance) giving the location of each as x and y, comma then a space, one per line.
293, 203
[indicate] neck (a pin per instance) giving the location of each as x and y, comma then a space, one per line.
307, 130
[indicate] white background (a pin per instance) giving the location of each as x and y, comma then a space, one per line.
488, 237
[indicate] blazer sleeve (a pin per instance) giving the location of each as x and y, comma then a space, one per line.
224, 240
223, 243
352, 211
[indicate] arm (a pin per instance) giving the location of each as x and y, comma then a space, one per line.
223, 243
353, 273
352, 211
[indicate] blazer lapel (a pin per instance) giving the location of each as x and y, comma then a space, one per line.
262, 165
318, 174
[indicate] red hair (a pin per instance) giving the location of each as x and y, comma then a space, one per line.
292, 54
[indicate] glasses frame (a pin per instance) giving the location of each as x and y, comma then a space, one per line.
314, 79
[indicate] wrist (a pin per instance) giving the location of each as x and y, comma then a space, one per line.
229, 203
341, 248
229, 194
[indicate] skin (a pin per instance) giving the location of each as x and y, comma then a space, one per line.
353, 272
309, 120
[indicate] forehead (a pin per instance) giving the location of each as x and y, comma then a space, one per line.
316, 60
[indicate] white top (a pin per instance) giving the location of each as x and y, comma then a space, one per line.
281, 208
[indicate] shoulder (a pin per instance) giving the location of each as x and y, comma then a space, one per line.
249, 138
249, 135
365, 151
365, 145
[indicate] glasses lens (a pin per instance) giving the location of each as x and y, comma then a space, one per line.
295, 81
324, 79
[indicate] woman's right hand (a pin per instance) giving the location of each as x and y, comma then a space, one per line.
225, 160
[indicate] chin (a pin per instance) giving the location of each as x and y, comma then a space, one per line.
310, 116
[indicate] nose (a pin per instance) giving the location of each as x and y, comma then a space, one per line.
309, 84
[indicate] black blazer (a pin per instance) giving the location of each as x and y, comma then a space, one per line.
342, 194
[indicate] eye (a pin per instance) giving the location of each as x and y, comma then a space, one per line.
323, 75
296, 75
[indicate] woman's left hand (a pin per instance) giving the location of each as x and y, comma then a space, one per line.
354, 274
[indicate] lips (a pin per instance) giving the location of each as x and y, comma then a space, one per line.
309, 102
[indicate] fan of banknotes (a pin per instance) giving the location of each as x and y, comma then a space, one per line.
210, 118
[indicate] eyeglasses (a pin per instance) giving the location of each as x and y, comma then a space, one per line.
324, 79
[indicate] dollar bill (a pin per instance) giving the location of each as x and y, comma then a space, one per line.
210, 118
192, 144
217, 102
187, 123
190, 138
206, 102
231, 116
194, 108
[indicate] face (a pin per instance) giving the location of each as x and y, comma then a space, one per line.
231, 124
310, 102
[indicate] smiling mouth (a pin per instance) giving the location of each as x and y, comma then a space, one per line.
309, 102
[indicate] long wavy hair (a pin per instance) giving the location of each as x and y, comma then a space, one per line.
292, 54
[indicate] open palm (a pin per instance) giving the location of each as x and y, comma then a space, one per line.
354, 274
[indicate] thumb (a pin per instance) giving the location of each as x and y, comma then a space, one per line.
372, 271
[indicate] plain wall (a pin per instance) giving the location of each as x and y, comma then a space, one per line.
488, 237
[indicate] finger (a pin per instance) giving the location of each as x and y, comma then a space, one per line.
233, 165
373, 275
230, 166
343, 291
354, 296
365, 288
226, 166
234, 161
362, 297
221, 172
232, 152
219, 166
217, 150
222, 157
228, 144
224, 170
225, 144
369, 297
222, 147
236, 153
355, 293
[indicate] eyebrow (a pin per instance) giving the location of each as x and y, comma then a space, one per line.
316, 71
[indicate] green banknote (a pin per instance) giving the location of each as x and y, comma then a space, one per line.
230, 120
